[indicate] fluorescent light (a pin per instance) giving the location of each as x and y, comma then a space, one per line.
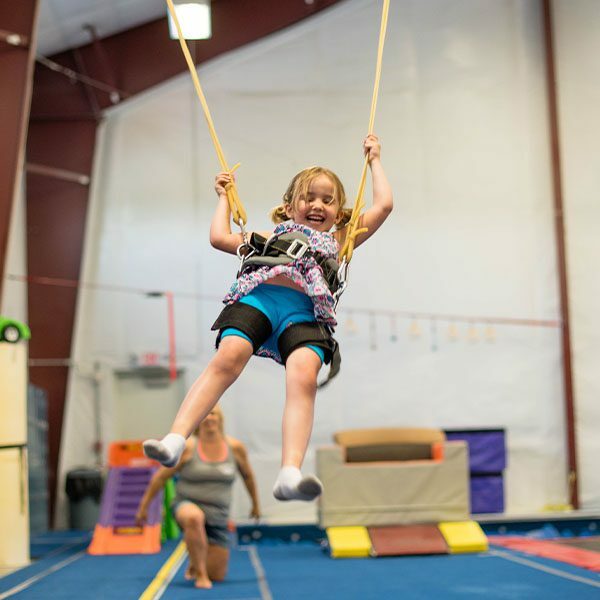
194, 20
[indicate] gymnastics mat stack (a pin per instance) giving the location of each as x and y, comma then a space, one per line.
406, 540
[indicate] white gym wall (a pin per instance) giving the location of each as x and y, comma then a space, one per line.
463, 121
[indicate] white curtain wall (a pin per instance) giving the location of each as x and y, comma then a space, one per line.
13, 302
578, 43
463, 121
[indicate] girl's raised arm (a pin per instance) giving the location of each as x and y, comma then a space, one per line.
221, 236
383, 201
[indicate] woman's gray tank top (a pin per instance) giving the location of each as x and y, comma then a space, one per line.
209, 485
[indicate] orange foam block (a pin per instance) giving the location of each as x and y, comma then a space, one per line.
125, 540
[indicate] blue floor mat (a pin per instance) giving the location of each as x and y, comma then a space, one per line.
240, 583
297, 571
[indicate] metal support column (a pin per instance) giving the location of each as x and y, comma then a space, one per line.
561, 257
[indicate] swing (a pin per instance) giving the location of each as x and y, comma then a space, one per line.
238, 213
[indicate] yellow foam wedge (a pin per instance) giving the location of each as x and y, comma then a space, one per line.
464, 536
349, 542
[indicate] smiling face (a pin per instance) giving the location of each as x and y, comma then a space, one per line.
318, 206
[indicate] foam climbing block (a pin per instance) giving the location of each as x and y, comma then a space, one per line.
404, 540
349, 542
464, 536
116, 531
392, 492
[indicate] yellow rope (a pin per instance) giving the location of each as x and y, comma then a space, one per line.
353, 230
238, 212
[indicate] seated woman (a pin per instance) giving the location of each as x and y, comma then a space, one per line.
203, 496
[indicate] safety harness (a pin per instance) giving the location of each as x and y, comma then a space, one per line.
282, 249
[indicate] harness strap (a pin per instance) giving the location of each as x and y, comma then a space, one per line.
247, 319
316, 334
277, 250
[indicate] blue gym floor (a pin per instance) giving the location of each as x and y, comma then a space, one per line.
276, 570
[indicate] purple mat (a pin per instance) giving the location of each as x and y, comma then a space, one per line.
487, 460
487, 494
487, 449
123, 491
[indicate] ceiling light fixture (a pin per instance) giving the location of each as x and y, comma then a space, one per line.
194, 19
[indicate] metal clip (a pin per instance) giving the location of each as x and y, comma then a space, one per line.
342, 273
342, 276
242, 256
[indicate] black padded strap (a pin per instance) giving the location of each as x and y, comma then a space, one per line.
247, 319
314, 334
275, 247
279, 247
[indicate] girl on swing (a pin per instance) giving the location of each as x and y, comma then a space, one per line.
282, 306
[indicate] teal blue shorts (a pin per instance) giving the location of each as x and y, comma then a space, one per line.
282, 306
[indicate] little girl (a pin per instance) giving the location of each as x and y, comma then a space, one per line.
281, 306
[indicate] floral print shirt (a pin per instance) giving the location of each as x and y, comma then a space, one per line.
304, 272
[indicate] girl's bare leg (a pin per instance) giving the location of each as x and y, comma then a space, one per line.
224, 368
302, 368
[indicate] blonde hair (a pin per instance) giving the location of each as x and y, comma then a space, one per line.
216, 409
298, 188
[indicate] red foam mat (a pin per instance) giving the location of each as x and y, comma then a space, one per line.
400, 540
551, 549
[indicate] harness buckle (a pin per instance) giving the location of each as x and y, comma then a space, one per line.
297, 249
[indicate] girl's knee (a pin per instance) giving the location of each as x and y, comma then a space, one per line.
304, 358
232, 355
302, 367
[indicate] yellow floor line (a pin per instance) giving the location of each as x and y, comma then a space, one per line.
164, 575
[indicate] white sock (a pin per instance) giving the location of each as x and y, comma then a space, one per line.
290, 485
167, 451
